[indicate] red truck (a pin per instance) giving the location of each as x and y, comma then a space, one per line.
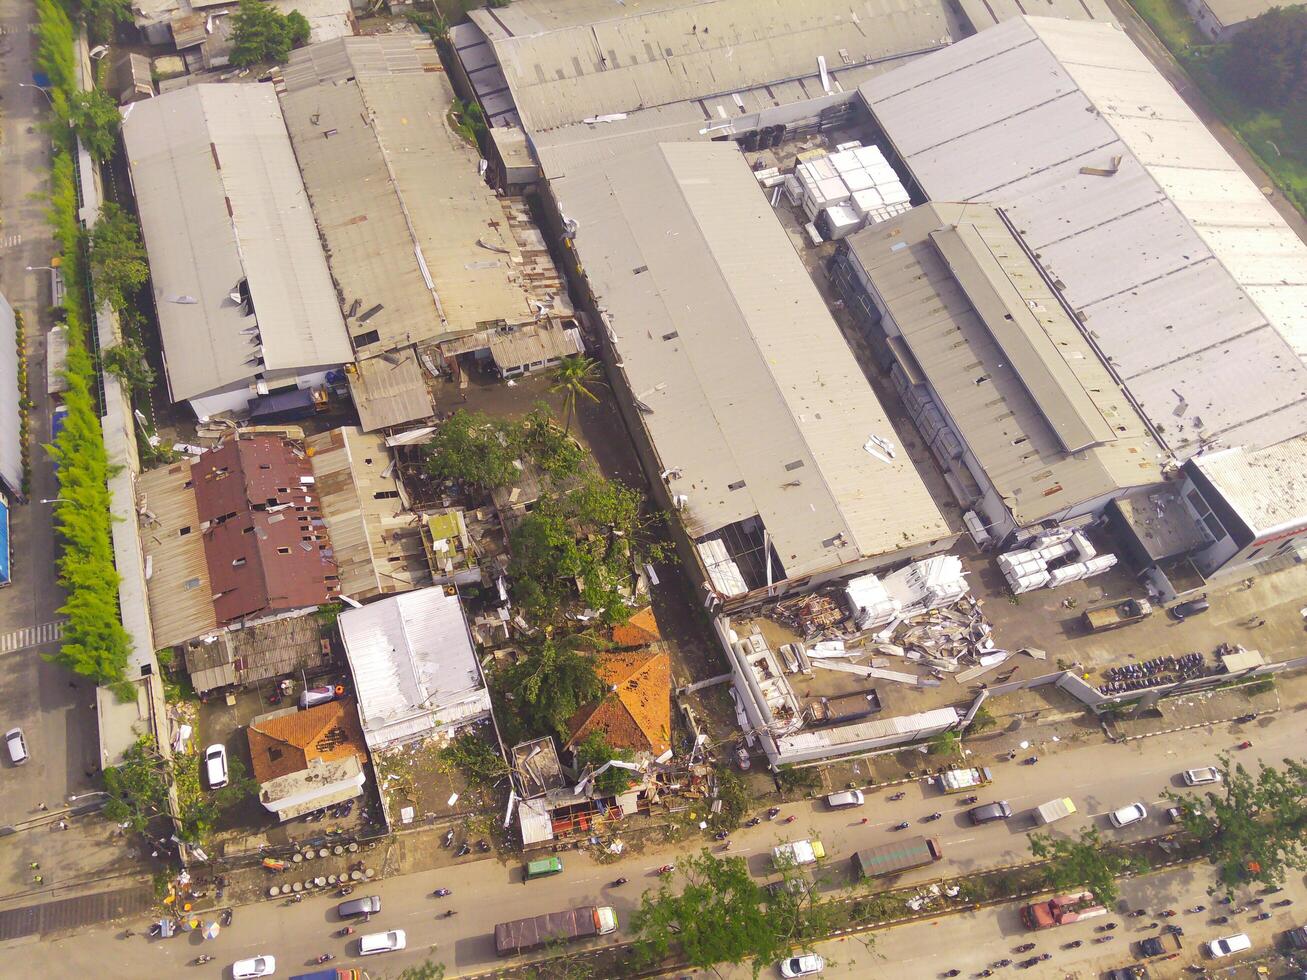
1061, 910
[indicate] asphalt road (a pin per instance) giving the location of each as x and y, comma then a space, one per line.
1098, 778
34, 694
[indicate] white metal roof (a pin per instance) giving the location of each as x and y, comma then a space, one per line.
1185, 277
1266, 487
11, 443
748, 386
413, 664
221, 201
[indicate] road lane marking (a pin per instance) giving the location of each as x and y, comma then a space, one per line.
31, 636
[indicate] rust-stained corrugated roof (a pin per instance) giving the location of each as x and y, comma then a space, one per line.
637, 711
265, 543
181, 598
287, 744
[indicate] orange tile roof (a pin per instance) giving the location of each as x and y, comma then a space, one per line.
638, 631
636, 713
286, 744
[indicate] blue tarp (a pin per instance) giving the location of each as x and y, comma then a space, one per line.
4, 541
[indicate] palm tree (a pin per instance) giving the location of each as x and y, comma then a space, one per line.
574, 376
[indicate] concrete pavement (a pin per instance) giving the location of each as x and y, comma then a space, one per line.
1098, 778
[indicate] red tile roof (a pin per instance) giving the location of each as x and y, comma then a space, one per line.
288, 743
636, 713
265, 543
638, 631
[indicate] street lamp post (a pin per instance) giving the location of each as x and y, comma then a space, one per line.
40, 88
82, 796
55, 500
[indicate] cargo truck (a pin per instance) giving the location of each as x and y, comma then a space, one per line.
796, 853
1161, 945
903, 855
1115, 614
336, 973
1054, 810
961, 780
1061, 910
537, 931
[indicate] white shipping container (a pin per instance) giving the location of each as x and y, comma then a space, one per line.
883, 173
832, 190
845, 161
843, 221
870, 156
893, 193
866, 201
858, 180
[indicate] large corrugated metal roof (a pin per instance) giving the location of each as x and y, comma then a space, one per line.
1266, 487
11, 443
410, 224
180, 593
955, 310
221, 201
562, 70
1186, 278
748, 386
377, 545
414, 665
390, 389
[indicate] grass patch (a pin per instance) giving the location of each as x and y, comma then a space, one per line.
1278, 139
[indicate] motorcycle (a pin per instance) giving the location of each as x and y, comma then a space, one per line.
463, 849
950, 973
1073, 945
1024, 948
202, 959
773, 813
344, 890
1245, 744
1196, 909
753, 821
450, 912
449, 839
482, 846
1220, 920
1283, 903
968, 799
619, 882
998, 963
1104, 939
226, 917
900, 826
721, 835
1030, 760
1261, 916
1106, 928
898, 796
789, 819
1137, 913
326, 957
1167, 913
666, 869
441, 893
933, 816
346, 931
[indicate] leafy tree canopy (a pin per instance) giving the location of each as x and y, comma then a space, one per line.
94, 114
1086, 862
722, 915
101, 16
476, 758
552, 683
473, 448
118, 262
1268, 58
1254, 824
595, 750
583, 545
262, 33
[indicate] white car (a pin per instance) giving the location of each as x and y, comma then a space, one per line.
382, 942
215, 765
17, 746
258, 966
1202, 776
803, 965
1238, 943
1127, 815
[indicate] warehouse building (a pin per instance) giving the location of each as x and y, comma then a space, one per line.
769, 440
1185, 280
244, 300
1027, 423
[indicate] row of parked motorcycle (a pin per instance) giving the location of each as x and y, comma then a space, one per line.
1158, 672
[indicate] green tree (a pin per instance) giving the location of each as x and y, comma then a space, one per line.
573, 379
126, 361
138, 788
259, 33
945, 743
297, 27
1255, 824
553, 682
1268, 58
475, 449
476, 759
199, 807
549, 447
1086, 862
94, 115
721, 915
102, 16
593, 751
119, 265
582, 545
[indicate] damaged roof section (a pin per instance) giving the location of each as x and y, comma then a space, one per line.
420, 247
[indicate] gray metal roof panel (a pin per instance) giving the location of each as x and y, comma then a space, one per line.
1078, 95
724, 337
221, 200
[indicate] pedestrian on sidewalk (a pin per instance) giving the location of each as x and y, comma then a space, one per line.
863, 820
42, 807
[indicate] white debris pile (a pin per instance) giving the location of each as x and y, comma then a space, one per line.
916, 588
1052, 558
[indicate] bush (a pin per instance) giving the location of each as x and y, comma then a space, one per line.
1268, 58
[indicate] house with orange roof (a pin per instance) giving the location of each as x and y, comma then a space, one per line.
638, 631
309, 759
636, 711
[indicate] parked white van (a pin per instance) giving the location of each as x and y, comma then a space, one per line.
215, 764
